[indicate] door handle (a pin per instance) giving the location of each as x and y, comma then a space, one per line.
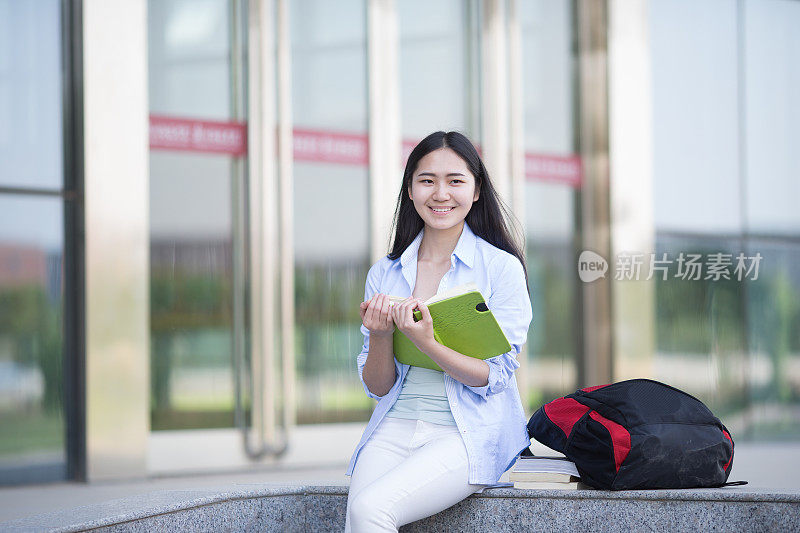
266, 254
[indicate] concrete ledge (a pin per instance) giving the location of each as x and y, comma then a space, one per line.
315, 508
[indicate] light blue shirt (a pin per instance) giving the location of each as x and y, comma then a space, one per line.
423, 397
490, 418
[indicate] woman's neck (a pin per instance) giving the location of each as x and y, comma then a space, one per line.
438, 244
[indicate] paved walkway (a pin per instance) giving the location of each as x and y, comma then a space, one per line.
18, 502
771, 466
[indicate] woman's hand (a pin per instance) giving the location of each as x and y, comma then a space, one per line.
420, 333
376, 315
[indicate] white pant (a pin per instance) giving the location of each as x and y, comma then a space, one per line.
407, 470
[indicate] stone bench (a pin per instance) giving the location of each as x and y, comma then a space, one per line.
322, 508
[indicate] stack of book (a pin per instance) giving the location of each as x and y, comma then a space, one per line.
545, 473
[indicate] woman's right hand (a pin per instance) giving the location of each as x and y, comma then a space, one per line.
376, 315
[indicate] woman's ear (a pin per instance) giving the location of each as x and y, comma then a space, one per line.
477, 195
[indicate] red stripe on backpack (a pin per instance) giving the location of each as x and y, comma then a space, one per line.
727, 436
620, 438
564, 412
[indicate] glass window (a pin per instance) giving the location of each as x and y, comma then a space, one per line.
726, 182
193, 62
31, 309
331, 205
695, 122
771, 59
772, 115
772, 319
548, 94
438, 63
30, 94
32, 408
696, 190
700, 334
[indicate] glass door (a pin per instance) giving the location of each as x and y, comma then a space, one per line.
198, 157
331, 207
552, 183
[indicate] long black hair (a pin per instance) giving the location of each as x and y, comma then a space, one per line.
488, 218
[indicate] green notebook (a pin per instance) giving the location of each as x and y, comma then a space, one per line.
462, 322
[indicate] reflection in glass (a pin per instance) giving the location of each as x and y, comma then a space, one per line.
189, 58
31, 339
437, 63
30, 94
771, 113
772, 322
192, 211
700, 335
731, 342
548, 88
696, 124
331, 206
191, 291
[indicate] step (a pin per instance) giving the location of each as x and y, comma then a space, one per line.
262, 507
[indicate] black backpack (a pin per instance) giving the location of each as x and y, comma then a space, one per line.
637, 434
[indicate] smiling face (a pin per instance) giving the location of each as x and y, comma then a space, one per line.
443, 189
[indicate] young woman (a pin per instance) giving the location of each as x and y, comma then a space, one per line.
437, 437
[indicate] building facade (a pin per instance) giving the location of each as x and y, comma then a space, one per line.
192, 192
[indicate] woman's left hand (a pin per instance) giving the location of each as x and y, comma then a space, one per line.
420, 333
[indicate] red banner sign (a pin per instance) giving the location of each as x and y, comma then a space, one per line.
206, 136
538, 167
558, 169
331, 147
317, 146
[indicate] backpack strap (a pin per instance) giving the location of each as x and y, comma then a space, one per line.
527, 452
